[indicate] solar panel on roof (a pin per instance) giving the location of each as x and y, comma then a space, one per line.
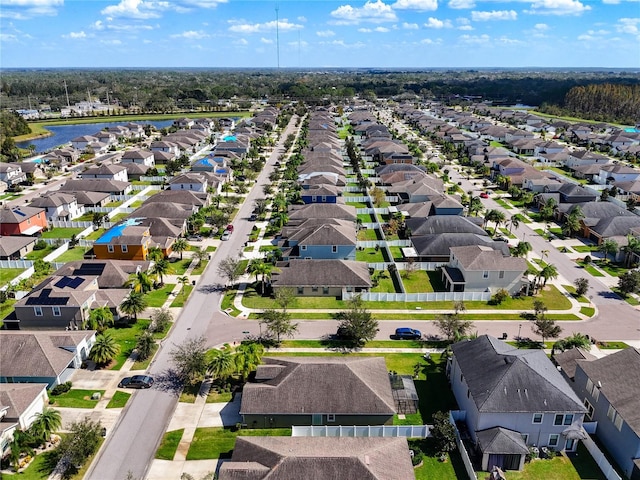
76, 282
18, 212
63, 282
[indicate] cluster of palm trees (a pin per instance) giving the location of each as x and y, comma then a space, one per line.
39, 433
226, 362
263, 269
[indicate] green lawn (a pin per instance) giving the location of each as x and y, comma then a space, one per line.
386, 285
125, 336
588, 311
200, 268
550, 295
211, 249
572, 290
180, 266
96, 234
369, 234
182, 297
71, 255
612, 345
156, 298
592, 270
366, 218
219, 397
8, 274
396, 253
503, 204
6, 307
217, 442
169, 444
38, 254
370, 255
585, 248
613, 269
76, 398
416, 282
432, 468
119, 399
144, 364
60, 232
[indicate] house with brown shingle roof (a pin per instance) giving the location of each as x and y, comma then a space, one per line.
43, 356
339, 458
479, 268
318, 391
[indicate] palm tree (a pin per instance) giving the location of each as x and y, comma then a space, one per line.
155, 254
475, 206
248, 357
631, 249
221, 363
184, 280
20, 444
200, 255
104, 349
134, 304
161, 268
495, 216
548, 272
260, 205
46, 423
522, 249
514, 221
180, 245
572, 223
99, 319
140, 282
609, 246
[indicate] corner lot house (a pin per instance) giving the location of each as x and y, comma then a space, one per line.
610, 389
513, 397
340, 458
19, 405
43, 356
318, 391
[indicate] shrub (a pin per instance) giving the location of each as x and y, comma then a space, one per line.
417, 458
499, 297
587, 260
60, 389
40, 245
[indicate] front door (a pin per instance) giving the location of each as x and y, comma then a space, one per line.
569, 444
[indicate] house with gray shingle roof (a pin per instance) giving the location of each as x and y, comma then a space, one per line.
320, 239
517, 390
43, 356
20, 403
339, 458
480, 268
610, 389
59, 205
15, 247
437, 247
323, 278
318, 391
113, 187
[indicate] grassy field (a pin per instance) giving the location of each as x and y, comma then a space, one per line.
217, 442
60, 232
180, 266
119, 399
76, 253
8, 274
369, 234
169, 444
125, 336
417, 282
156, 298
38, 254
96, 234
370, 255
76, 398
200, 268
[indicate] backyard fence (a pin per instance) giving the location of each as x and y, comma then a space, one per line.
468, 466
408, 431
416, 266
600, 459
420, 297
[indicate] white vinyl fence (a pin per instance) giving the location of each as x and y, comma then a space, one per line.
468, 466
601, 460
420, 297
408, 431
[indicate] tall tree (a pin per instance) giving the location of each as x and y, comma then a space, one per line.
582, 286
104, 349
180, 245
190, 360
609, 246
357, 322
47, 422
99, 319
546, 328
134, 304
220, 363
247, 358
229, 268
278, 323
453, 327
161, 268
140, 282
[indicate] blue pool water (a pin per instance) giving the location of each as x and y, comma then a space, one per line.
230, 138
116, 231
631, 130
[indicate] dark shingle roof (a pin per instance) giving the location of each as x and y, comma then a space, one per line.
502, 378
327, 273
445, 224
441, 243
619, 375
316, 458
339, 385
498, 440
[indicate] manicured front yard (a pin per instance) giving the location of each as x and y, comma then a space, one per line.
217, 442
156, 298
200, 268
119, 399
180, 266
76, 398
169, 444
125, 336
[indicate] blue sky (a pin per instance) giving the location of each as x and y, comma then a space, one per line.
320, 33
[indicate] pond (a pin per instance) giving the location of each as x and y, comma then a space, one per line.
63, 134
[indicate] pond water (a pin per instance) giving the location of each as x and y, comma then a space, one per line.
63, 134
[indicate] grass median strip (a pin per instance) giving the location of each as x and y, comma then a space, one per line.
169, 444
119, 399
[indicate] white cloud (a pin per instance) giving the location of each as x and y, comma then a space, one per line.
460, 4
430, 41
342, 43
541, 27
76, 35
370, 30
373, 12
266, 41
435, 23
119, 27
628, 25
139, 9
364, 30
302, 18
8, 37
25, 9
420, 5
204, 3
283, 25
325, 33
475, 39
465, 28
241, 42
494, 15
558, 7
191, 35
410, 26
114, 42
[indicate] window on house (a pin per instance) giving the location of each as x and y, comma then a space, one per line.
56, 311
618, 422
303, 247
553, 440
501, 274
314, 288
568, 419
561, 419
331, 417
334, 248
313, 198
525, 437
110, 248
485, 274
611, 413
300, 290
324, 199
589, 385
325, 290
590, 409
124, 248
595, 392
37, 311
537, 417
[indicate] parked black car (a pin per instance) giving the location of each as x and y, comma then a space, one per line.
137, 381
